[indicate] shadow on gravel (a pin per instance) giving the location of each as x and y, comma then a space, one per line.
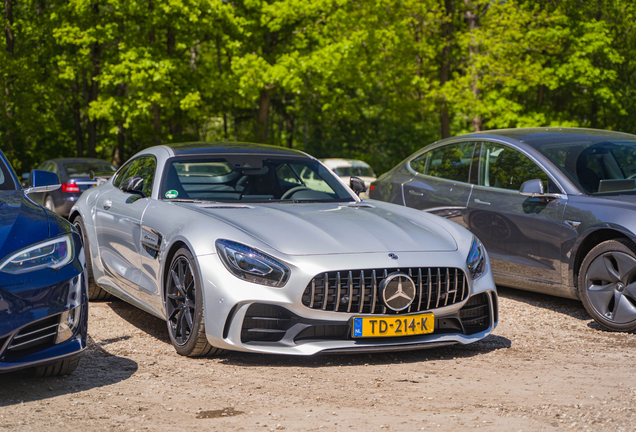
144, 321
97, 368
488, 344
573, 308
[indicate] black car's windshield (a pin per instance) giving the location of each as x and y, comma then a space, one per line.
6, 181
251, 178
83, 169
607, 168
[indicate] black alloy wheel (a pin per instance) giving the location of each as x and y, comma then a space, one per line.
607, 284
94, 291
184, 307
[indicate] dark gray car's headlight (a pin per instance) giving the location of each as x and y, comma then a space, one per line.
252, 265
52, 253
475, 259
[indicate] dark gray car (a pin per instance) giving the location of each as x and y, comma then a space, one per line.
555, 208
75, 176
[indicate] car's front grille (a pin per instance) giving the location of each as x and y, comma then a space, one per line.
475, 314
38, 334
357, 291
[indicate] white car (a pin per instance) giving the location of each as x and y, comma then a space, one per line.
347, 168
230, 246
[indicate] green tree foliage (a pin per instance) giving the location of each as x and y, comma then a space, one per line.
368, 79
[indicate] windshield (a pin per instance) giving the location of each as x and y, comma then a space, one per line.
607, 168
251, 178
351, 171
6, 181
83, 169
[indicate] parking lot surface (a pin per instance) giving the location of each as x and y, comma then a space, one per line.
547, 366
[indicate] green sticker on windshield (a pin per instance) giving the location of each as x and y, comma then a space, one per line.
172, 194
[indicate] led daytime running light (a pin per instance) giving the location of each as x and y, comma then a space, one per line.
475, 259
251, 265
54, 253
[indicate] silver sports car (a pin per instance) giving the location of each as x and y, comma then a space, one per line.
229, 245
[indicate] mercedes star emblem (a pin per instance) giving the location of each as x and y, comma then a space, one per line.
398, 291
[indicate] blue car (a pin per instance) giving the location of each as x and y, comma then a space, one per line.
43, 289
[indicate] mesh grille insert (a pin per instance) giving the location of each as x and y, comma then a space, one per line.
356, 291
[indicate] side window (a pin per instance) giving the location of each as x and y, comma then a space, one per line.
419, 163
506, 168
121, 175
451, 162
143, 167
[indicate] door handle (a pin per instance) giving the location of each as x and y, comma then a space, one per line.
416, 193
107, 204
478, 201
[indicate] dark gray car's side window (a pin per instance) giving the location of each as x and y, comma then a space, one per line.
506, 168
451, 162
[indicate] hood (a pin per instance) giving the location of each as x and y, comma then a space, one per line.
316, 229
22, 222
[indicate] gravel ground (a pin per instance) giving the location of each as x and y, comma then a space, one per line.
547, 366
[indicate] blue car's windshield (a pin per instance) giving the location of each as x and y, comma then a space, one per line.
607, 168
251, 178
6, 180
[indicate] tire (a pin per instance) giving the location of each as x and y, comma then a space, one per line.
184, 308
63, 367
48, 203
94, 291
607, 285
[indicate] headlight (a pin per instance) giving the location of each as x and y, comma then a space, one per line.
54, 253
249, 264
475, 259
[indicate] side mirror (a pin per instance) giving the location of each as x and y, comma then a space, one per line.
134, 185
534, 189
357, 185
42, 181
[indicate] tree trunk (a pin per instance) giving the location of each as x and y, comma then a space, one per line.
156, 123
9, 80
473, 23
220, 66
444, 70
263, 114
96, 52
77, 121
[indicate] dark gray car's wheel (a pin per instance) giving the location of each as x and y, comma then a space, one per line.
94, 291
184, 307
607, 284
63, 367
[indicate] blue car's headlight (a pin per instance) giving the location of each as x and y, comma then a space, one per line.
252, 265
53, 253
475, 259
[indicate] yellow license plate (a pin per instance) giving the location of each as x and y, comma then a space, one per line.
408, 325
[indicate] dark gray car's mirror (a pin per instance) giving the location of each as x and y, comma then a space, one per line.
357, 185
134, 185
42, 181
532, 188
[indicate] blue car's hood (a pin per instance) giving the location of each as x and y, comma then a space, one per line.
22, 222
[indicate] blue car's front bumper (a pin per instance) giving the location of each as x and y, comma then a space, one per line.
34, 309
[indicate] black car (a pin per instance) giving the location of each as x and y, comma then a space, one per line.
76, 175
43, 284
554, 207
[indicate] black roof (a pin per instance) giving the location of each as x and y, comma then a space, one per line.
224, 147
537, 137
